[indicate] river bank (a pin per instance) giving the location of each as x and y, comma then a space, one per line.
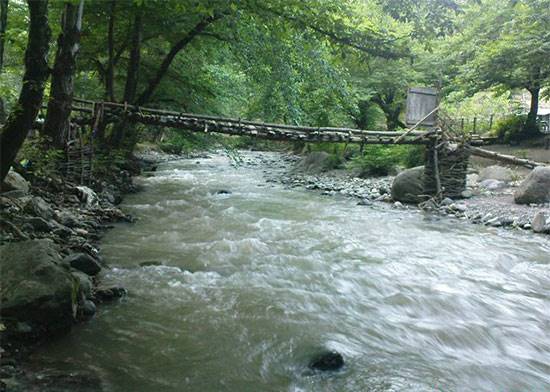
52, 266
489, 194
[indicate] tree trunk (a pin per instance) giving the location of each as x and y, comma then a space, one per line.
57, 123
135, 59
21, 119
110, 74
132, 75
3, 24
531, 123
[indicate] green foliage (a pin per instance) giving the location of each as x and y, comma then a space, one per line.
178, 142
511, 129
38, 161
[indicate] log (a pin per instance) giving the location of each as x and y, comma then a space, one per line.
504, 158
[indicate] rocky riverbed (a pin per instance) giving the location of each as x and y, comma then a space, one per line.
488, 199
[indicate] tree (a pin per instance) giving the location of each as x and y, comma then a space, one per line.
23, 115
3, 23
57, 123
505, 45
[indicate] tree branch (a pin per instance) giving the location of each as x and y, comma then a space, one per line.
178, 46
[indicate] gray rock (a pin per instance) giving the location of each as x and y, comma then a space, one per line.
67, 218
84, 284
36, 288
535, 188
39, 207
87, 196
538, 223
40, 224
492, 185
15, 182
496, 172
408, 186
447, 201
472, 179
84, 263
467, 194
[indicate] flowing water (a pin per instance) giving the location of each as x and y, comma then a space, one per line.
253, 283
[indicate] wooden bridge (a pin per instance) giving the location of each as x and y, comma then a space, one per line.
446, 160
238, 127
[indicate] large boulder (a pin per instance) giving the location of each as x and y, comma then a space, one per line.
37, 288
535, 188
317, 162
408, 186
496, 172
15, 182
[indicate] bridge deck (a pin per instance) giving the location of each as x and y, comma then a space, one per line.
232, 126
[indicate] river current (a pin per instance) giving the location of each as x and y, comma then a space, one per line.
254, 282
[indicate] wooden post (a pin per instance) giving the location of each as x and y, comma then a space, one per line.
462, 124
439, 194
475, 124
491, 121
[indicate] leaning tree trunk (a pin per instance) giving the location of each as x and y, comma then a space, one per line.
3, 23
21, 119
132, 77
61, 95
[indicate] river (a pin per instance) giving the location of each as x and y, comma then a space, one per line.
255, 282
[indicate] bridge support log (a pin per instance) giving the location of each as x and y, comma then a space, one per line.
445, 169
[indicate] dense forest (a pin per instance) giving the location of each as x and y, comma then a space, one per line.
319, 62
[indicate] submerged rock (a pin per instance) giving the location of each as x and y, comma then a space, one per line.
150, 263
36, 288
408, 186
223, 192
106, 294
327, 361
87, 309
535, 188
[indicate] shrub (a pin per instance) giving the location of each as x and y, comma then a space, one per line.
512, 129
383, 160
38, 159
